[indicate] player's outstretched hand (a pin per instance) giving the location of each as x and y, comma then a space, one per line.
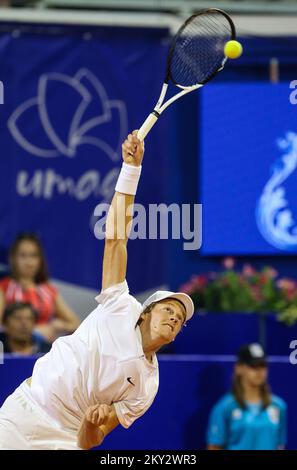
98, 414
133, 150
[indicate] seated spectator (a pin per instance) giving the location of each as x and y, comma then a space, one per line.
28, 282
250, 417
19, 321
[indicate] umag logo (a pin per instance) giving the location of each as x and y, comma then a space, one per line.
67, 113
62, 127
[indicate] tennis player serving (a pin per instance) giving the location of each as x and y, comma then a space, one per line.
106, 373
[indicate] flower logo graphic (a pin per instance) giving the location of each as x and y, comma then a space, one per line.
85, 114
274, 216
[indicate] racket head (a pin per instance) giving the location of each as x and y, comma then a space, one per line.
196, 53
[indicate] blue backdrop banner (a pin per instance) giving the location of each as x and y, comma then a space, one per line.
70, 100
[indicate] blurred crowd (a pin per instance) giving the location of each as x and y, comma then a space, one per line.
32, 312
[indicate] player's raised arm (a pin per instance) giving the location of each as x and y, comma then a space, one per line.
120, 213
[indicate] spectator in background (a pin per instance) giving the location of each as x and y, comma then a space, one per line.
28, 282
19, 321
248, 418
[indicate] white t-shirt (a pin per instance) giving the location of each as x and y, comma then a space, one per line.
102, 362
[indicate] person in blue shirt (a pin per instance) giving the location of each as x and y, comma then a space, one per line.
250, 417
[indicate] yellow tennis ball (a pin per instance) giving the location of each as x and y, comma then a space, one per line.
233, 49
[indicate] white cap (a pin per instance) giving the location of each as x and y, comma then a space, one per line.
165, 294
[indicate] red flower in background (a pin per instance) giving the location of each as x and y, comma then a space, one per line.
288, 286
196, 283
249, 290
187, 288
263, 278
199, 281
228, 262
257, 293
248, 270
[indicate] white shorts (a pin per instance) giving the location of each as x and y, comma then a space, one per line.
24, 425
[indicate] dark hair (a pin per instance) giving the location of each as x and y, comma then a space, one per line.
42, 274
148, 309
238, 392
14, 307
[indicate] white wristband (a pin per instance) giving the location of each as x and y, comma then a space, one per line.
128, 179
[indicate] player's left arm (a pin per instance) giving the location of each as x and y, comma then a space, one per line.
99, 420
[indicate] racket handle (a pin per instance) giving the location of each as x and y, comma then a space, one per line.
147, 125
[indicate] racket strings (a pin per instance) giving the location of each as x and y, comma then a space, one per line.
199, 49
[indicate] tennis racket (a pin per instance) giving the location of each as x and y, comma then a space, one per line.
195, 56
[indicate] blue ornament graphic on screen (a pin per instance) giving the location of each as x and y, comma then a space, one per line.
274, 215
